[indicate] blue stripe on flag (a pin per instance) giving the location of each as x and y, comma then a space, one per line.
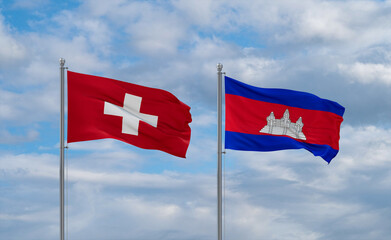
282, 96
264, 143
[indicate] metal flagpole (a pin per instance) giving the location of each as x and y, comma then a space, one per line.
219, 152
62, 68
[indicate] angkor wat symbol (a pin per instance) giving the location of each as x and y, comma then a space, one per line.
284, 126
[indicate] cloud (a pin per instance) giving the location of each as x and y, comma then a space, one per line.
8, 138
103, 169
79, 25
367, 145
368, 73
11, 49
149, 29
205, 119
336, 49
268, 195
316, 21
29, 166
21, 108
184, 199
156, 33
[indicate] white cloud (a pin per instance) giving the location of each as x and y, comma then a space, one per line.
257, 222
76, 51
156, 34
209, 15
205, 119
135, 180
9, 138
253, 70
367, 73
203, 14
349, 23
29, 166
151, 29
88, 170
21, 108
42, 216
171, 218
11, 49
323, 21
42, 68
368, 146
94, 30
183, 202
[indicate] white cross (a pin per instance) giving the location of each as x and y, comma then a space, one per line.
130, 114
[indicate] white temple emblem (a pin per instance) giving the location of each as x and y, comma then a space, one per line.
284, 126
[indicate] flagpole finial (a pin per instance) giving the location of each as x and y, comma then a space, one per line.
62, 61
219, 67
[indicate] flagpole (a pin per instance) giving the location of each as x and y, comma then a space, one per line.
219, 151
62, 68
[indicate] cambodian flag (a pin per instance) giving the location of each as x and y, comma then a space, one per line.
261, 119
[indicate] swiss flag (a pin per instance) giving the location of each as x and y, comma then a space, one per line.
146, 117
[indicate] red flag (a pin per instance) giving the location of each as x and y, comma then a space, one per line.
146, 117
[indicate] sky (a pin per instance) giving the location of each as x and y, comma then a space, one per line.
336, 49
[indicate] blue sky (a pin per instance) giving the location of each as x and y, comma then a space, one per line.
339, 50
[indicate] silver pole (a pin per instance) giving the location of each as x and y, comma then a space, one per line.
219, 152
62, 62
